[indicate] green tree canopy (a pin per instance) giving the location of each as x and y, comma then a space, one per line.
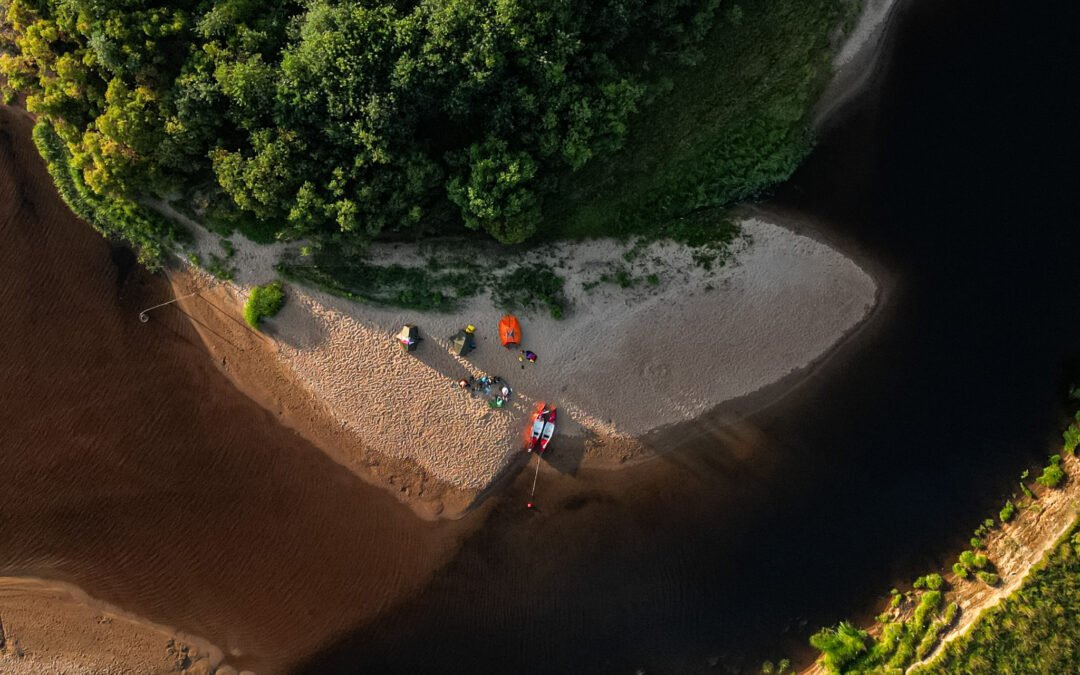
334, 118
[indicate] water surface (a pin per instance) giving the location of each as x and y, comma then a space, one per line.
130, 467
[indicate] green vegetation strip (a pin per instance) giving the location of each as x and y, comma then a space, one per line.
439, 286
1034, 630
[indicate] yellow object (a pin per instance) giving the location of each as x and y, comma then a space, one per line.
470, 329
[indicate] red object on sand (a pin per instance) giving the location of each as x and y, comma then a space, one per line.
509, 330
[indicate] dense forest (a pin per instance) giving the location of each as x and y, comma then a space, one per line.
340, 121
341, 117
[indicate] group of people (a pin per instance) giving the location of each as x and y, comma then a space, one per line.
495, 388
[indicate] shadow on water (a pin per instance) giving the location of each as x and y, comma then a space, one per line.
956, 178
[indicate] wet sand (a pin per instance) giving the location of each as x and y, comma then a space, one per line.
133, 469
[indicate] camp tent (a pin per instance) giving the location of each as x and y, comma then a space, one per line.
509, 331
409, 337
462, 343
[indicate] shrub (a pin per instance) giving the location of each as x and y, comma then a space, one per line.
929, 640
264, 302
1072, 438
988, 578
1052, 474
927, 604
976, 542
979, 561
839, 646
967, 559
934, 582
1008, 512
1027, 492
531, 286
960, 571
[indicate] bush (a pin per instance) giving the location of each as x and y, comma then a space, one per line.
264, 302
960, 571
988, 578
840, 646
1072, 438
934, 582
976, 542
1008, 512
979, 561
929, 602
1052, 475
929, 640
530, 286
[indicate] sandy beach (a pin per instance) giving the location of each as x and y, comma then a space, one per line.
622, 363
857, 59
47, 627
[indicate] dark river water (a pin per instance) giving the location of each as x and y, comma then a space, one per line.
131, 468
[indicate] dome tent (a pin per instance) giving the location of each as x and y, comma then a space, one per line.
510, 331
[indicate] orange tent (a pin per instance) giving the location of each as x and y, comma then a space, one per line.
509, 330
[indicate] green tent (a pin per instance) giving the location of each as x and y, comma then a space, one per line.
462, 343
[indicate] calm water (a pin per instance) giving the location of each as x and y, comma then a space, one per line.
956, 177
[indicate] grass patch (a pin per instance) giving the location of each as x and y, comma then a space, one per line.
439, 285
264, 302
529, 287
1032, 631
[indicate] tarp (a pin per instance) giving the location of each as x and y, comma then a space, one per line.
509, 330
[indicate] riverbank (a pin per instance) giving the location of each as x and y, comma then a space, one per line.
1040, 517
654, 336
856, 62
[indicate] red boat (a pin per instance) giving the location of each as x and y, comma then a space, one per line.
536, 426
548, 430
